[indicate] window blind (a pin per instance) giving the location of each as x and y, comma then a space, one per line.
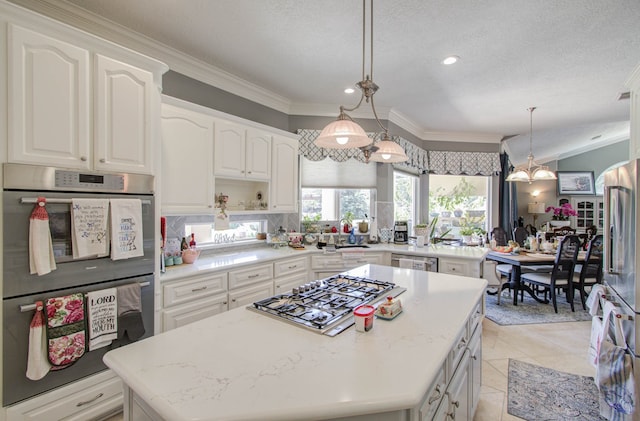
328, 173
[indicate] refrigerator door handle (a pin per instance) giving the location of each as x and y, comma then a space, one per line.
612, 194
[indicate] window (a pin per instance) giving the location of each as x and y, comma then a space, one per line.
460, 203
239, 231
405, 196
332, 204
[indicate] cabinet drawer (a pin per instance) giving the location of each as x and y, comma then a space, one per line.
193, 311
434, 395
81, 400
285, 284
289, 266
324, 262
194, 288
452, 267
476, 317
251, 275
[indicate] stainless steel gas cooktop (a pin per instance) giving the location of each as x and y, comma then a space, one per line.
326, 306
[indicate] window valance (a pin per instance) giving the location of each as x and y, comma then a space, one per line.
420, 161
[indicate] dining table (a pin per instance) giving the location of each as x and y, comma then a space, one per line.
524, 258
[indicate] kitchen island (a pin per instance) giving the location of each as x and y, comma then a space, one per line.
243, 365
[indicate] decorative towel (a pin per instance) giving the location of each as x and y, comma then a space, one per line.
89, 236
593, 300
37, 362
65, 329
130, 321
41, 260
126, 229
614, 375
102, 310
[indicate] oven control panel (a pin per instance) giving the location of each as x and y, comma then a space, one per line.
75, 179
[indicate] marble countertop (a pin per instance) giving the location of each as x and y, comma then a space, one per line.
244, 365
210, 261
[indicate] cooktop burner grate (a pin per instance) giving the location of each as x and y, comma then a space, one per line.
322, 304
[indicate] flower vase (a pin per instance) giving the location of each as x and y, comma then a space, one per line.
558, 224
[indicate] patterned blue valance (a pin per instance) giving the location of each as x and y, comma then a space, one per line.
420, 161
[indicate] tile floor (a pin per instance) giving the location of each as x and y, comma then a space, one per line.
561, 346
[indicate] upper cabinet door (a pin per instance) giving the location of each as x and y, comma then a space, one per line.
187, 162
49, 105
124, 112
229, 156
258, 155
284, 183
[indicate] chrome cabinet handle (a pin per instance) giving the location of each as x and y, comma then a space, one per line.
102, 160
199, 289
253, 276
436, 396
83, 158
463, 343
98, 396
452, 414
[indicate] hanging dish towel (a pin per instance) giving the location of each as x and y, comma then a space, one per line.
102, 310
65, 329
130, 321
126, 229
593, 300
614, 374
37, 362
89, 236
41, 260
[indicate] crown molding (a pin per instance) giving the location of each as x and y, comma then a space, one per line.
467, 137
182, 63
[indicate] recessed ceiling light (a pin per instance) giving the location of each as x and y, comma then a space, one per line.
450, 60
349, 91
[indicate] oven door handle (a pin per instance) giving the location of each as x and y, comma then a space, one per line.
30, 307
32, 200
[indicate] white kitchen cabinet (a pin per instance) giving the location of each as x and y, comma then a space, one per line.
290, 273
250, 275
93, 397
460, 267
284, 180
475, 369
72, 107
458, 392
125, 107
325, 265
187, 182
633, 83
193, 311
244, 296
49, 100
241, 152
590, 211
190, 299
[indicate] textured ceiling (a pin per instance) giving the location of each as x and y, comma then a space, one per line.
569, 58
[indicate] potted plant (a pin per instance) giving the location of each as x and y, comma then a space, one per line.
347, 220
421, 229
467, 232
311, 224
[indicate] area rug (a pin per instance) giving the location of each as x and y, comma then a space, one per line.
530, 311
539, 393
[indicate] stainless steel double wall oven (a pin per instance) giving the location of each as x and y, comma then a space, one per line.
22, 185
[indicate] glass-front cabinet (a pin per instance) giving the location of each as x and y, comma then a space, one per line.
590, 212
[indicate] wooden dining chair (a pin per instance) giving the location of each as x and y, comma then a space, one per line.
494, 278
500, 235
562, 231
520, 235
561, 276
589, 273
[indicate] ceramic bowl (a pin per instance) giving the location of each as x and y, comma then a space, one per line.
190, 256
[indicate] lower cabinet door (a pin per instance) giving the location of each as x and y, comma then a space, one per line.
459, 392
442, 414
248, 295
184, 314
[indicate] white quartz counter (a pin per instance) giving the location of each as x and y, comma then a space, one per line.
243, 365
210, 261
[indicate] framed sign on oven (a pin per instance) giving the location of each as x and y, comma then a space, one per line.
576, 183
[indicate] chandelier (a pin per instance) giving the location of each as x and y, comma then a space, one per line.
531, 172
344, 133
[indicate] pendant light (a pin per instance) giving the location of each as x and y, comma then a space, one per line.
344, 133
531, 172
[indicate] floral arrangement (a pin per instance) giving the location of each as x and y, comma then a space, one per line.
561, 213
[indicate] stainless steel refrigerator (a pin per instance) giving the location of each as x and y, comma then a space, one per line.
621, 255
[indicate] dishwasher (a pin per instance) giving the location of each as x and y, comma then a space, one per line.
409, 261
